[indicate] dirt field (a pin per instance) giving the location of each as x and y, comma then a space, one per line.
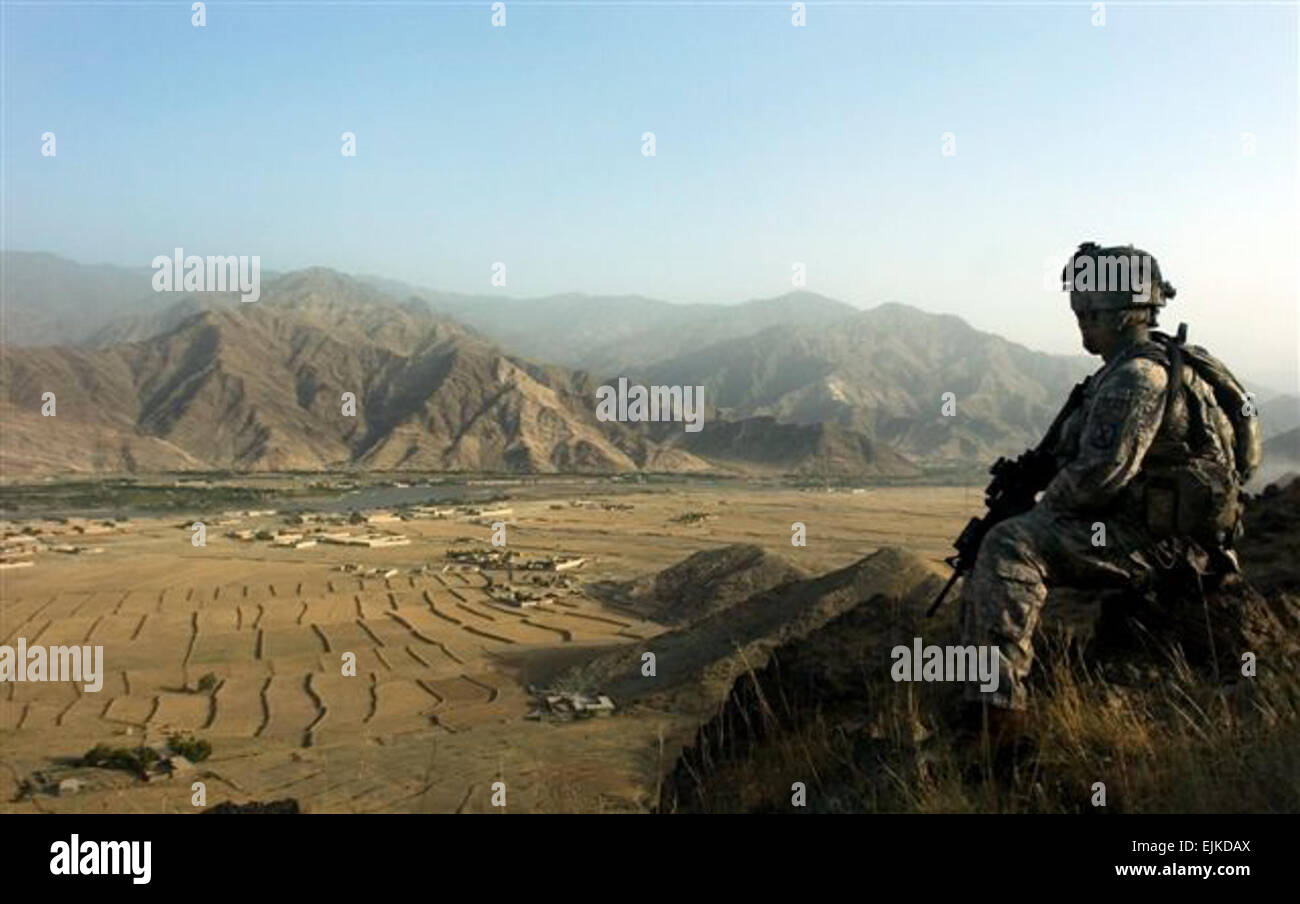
435, 713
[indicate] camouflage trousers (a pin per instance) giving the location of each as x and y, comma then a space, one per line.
1020, 558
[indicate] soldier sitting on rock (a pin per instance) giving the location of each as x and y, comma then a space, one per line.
1153, 452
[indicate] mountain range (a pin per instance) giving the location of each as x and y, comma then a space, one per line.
210, 382
796, 384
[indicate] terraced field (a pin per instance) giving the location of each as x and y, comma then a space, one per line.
434, 713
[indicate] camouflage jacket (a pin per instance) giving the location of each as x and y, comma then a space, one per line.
1120, 430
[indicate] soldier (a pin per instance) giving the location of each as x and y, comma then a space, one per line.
1149, 465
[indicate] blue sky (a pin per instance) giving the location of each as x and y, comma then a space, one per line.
774, 145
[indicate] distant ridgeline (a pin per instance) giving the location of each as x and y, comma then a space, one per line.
328, 371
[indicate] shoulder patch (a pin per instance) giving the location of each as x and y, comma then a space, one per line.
1134, 378
1129, 399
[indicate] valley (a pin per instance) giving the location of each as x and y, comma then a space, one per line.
435, 713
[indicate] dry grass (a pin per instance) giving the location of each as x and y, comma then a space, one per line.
1161, 739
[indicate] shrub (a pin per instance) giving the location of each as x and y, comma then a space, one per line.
137, 760
189, 747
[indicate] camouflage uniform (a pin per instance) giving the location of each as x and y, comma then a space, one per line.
1105, 449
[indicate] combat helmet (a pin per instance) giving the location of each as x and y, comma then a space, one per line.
1114, 278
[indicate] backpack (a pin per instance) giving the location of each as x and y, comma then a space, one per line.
1188, 493
1229, 395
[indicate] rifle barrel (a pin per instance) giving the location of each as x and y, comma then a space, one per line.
943, 593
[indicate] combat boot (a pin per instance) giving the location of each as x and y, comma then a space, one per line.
1008, 736
1008, 728
1004, 724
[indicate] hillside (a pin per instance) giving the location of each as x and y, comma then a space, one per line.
701, 657
872, 378
883, 373
259, 386
50, 300
709, 581
317, 296
821, 708
212, 382
620, 333
760, 444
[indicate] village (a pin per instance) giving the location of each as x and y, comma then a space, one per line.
511, 580
21, 542
386, 545
481, 629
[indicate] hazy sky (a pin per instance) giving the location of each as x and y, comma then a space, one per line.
775, 144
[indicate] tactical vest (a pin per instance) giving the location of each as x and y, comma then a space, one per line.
1207, 447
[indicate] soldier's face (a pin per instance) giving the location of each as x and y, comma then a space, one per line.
1097, 329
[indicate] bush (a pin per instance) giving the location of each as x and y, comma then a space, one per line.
207, 683
194, 750
138, 760
692, 517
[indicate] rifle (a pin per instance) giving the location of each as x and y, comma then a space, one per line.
1013, 490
